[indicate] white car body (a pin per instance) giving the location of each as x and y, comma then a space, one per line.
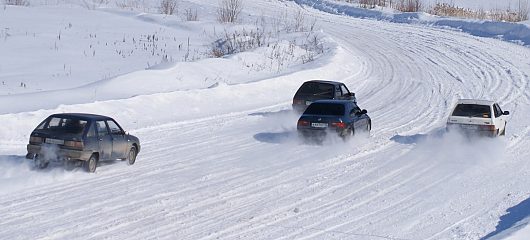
480, 117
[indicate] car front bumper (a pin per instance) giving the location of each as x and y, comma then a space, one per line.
53, 152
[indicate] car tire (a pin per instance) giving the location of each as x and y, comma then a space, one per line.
348, 133
91, 164
39, 162
503, 133
131, 157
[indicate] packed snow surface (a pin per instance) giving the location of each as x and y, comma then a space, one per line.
221, 158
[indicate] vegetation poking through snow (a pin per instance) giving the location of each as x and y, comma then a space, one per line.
508, 15
17, 2
304, 45
400, 5
517, 14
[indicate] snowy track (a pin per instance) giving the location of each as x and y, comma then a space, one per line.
243, 174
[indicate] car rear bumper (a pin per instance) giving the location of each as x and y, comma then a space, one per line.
318, 132
56, 153
471, 132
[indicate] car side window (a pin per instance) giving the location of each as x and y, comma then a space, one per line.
497, 110
344, 90
355, 109
338, 92
55, 122
102, 128
91, 131
114, 128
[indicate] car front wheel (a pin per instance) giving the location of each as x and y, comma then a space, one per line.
503, 133
131, 158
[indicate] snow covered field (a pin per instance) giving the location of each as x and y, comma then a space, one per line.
220, 155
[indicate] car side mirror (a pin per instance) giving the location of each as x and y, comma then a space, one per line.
506, 113
364, 111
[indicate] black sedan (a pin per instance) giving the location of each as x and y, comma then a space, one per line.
342, 117
81, 138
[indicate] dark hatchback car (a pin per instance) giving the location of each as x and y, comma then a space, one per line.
314, 90
343, 117
81, 138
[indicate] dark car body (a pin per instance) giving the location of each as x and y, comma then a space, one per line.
314, 90
80, 137
342, 117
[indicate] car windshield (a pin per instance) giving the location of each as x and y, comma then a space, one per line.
325, 109
64, 125
323, 90
472, 110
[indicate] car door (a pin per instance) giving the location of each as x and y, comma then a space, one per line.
499, 118
91, 140
105, 140
356, 117
119, 140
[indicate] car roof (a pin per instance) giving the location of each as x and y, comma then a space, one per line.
84, 116
475, 101
325, 81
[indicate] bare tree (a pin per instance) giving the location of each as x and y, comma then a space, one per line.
522, 12
168, 7
191, 15
409, 5
229, 10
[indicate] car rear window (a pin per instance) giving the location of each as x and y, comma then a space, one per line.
65, 125
472, 110
323, 90
325, 109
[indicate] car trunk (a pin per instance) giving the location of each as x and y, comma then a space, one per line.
56, 137
319, 122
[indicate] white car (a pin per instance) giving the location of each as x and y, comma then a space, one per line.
478, 117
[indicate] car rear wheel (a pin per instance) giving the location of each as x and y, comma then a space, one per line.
348, 133
131, 158
40, 162
91, 164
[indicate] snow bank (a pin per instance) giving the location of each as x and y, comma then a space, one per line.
514, 32
144, 110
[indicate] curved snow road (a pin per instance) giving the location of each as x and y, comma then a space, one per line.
245, 175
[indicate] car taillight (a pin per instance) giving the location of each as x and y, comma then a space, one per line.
339, 124
74, 144
35, 139
298, 101
303, 123
487, 127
